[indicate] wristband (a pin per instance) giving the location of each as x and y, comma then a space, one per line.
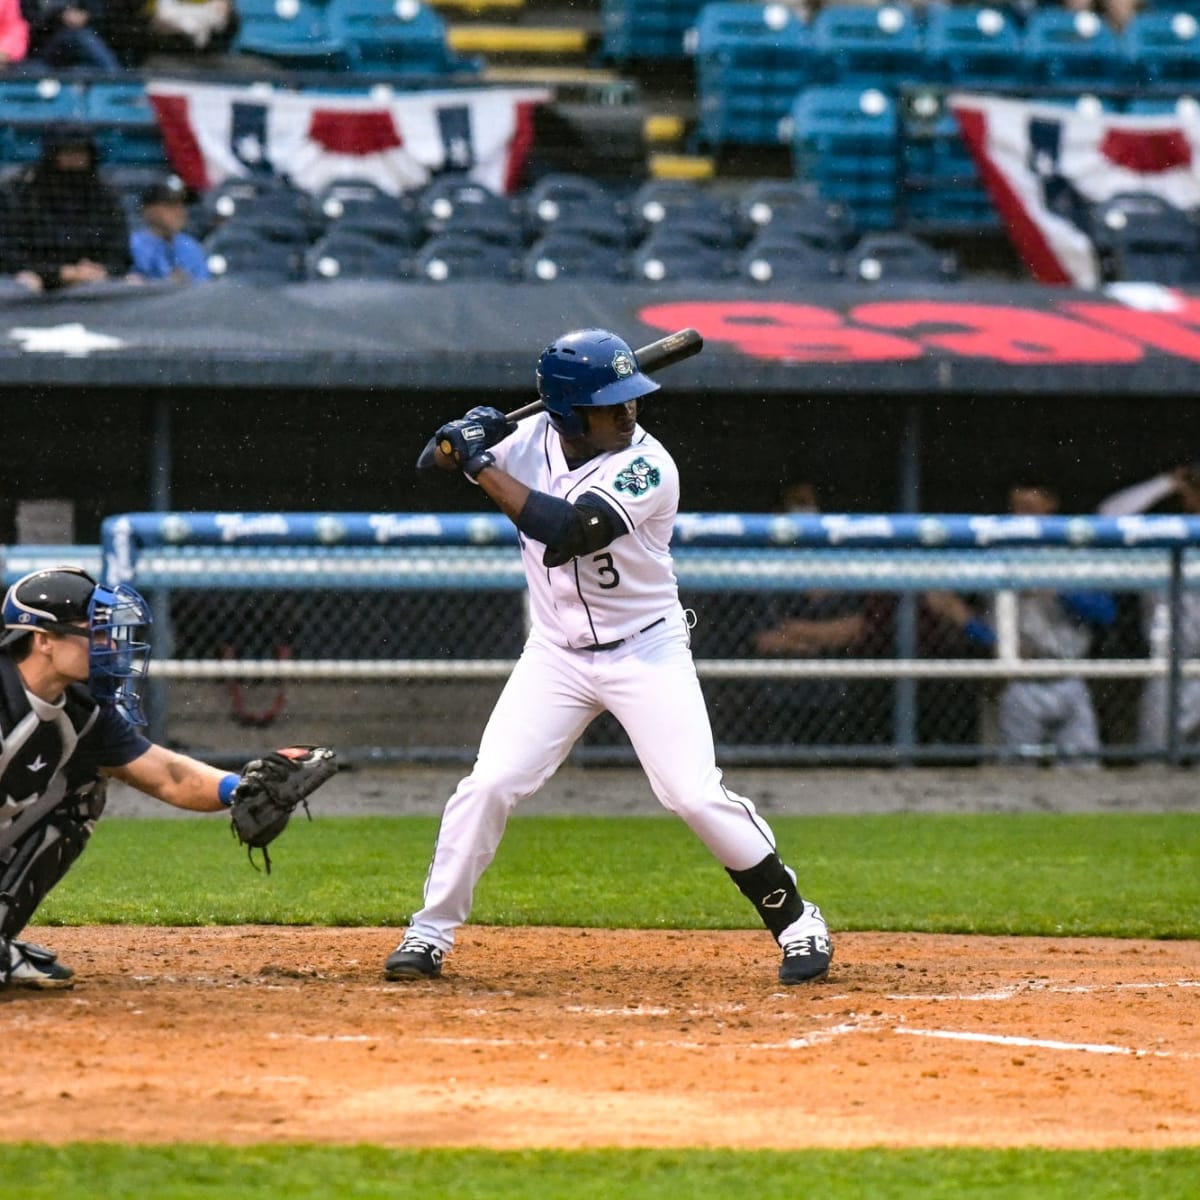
226, 787
476, 463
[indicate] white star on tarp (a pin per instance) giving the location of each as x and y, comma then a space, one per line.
74, 340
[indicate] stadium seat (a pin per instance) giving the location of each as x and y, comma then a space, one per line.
898, 257
291, 33
666, 256
774, 258
444, 196
27, 108
387, 219
1163, 48
1139, 237
1073, 49
333, 200
658, 201
564, 256
973, 46
402, 36
875, 47
602, 227
452, 256
845, 142
264, 199
645, 29
246, 253
792, 209
350, 254
751, 60
558, 194
126, 128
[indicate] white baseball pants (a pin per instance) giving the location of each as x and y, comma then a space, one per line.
649, 684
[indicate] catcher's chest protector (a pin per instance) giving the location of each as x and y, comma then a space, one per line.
36, 755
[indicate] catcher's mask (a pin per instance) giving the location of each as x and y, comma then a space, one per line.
56, 600
588, 368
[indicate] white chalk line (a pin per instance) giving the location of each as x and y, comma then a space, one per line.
1021, 989
1006, 1039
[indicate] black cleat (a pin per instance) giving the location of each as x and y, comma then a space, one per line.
807, 950
414, 958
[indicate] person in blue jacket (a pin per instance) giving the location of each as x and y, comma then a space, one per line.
159, 246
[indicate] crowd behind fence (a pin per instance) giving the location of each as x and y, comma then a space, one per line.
390, 633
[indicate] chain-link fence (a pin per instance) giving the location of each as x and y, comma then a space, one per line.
828, 652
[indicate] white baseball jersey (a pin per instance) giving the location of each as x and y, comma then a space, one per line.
615, 592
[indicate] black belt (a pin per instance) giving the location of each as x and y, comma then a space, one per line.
622, 641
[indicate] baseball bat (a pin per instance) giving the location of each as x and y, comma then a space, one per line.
656, 356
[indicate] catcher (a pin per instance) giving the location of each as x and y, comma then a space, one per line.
71, 669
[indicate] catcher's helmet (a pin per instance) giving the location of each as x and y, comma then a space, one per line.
588, 368
58, 599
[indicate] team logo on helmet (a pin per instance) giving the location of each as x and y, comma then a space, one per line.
637, 478
623, 365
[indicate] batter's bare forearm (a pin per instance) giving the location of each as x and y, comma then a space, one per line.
508, 494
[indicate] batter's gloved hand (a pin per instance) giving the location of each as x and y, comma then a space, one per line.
272, 788
495, 424
464, 441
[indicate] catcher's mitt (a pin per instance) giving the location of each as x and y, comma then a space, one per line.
271, 788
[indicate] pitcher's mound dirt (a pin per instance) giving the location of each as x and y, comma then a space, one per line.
571, 1038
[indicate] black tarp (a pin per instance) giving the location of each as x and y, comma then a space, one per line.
898, 339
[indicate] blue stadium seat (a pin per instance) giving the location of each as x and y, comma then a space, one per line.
265, 201
973, 46
350, 254
1139, 237
876, 47
645, 29
666, 256
561, 255
126, 128
1069, 49
452, 256
1163, 48
774, 259
249, 255
751, 60
898, 257
388, 219
27, 108
789, 209
561, 194
292, 33
402, 36
657, 202
845, 142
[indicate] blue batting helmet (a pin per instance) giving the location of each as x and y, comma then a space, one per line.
588, 368
58, 600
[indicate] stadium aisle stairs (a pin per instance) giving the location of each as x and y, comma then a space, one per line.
560, 44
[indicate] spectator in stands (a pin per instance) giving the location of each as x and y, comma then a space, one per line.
1179, 489
1037, 715
65, 34
1116, 13
817, 623
159, 247
65, 226
14, 33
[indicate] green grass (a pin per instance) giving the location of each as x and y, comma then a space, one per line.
302, 1172
1120, 875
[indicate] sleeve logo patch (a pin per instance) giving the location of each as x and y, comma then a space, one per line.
638, 478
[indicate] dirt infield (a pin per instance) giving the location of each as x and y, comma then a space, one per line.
585, 1038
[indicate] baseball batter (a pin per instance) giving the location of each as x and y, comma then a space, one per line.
594, 497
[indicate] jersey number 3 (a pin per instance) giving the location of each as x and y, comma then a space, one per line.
606, 569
